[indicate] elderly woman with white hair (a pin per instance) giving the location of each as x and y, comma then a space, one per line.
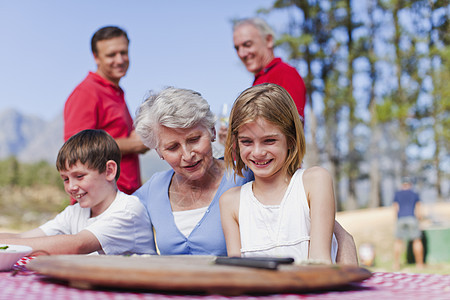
183, 203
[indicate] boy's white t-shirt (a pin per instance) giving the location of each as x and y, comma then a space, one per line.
123, 228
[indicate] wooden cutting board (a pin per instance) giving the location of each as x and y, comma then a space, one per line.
191, 274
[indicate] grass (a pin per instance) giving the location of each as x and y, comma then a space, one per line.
376, 228
23, 208
430, 268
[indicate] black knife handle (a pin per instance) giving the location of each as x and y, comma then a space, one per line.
270, 263
279, 260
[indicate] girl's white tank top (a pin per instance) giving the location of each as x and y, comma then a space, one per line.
277, 230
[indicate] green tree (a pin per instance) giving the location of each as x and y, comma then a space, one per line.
354, 157
16, 174
373, 132
9, 171
375, 136
434, 28
403, 99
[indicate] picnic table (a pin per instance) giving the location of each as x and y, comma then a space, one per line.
21, 283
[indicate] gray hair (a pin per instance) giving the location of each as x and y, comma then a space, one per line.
259, 24
172, 108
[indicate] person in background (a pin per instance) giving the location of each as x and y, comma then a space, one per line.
183, 203
287, 211
98, 102
254, 43
407, 208
105, 220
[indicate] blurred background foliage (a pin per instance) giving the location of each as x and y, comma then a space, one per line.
30, 194
378, 98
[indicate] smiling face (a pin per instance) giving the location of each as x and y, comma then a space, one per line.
187, 150
112, 58
89, 187
263, 148
254, 50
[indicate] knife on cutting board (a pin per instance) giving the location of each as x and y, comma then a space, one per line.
270, 263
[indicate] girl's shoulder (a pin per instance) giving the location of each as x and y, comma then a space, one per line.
231, 194
313, 174
233, 191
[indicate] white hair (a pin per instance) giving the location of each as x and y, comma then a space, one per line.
262, 26
172, 108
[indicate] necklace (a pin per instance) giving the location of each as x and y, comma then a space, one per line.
188, 195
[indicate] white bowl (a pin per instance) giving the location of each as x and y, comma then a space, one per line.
11, 255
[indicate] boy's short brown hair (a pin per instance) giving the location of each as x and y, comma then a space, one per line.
91, 147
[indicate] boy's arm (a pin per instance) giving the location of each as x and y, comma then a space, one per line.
36, 232
229, 214
7, 235
83, 242
319, 192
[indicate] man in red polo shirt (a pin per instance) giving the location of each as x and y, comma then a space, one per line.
98, 102
254, 41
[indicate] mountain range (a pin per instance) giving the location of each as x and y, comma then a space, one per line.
32, 139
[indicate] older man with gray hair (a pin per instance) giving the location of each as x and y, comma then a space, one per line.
254, 43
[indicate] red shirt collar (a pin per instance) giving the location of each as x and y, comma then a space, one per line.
266, 69
104, 81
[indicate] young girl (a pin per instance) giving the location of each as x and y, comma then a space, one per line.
286, 211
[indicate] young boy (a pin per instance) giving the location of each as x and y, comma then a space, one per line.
104, 220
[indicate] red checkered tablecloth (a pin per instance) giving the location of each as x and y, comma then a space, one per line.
22, 284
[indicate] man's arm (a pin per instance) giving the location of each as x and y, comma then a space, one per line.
418, 211
396, 208
131, 144
346, 254
82, 243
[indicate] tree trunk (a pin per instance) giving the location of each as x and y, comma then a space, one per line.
375, 137
353, 160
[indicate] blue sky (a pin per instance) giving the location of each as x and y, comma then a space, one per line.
45, 49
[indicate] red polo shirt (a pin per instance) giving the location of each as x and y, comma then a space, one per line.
97, 103
284, 75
